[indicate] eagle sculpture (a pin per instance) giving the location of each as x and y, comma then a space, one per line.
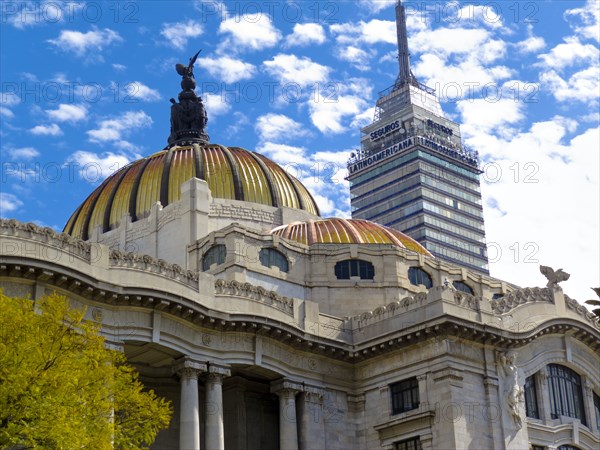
554, 276
189, 70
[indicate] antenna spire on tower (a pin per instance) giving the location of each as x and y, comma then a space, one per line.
405, 74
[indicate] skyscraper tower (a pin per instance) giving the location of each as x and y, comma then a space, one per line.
414, 174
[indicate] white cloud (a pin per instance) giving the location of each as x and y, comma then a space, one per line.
327, 115
26, 153
8, 203
291, 69
358, 57
374, 6
139, 91
95, 167
119, 67
588, 17
254, 31
278, 127
68, 113
228, 69
6, 112
474, 15
9, 99
306, 34
531, 45
524, 183
178, 34
79, 43
46, 130
370, 32
215, 104
569, 53
363, 119
484, 116
582, 86
115, 128
284, 155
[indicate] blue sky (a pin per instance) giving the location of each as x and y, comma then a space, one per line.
86, 88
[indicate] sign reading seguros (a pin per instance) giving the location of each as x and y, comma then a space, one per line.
384, 130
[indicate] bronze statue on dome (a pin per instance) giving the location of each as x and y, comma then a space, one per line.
188, 117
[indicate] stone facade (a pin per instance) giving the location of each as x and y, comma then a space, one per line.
254, 357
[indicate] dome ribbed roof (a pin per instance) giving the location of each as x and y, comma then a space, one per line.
347, 231
231, 173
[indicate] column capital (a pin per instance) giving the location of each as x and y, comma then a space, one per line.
314, 394
286, 387
217, 372
188, 368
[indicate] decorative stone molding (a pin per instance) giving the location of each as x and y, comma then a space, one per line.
582, 311
242, 212
286, 387
256, 293
449, 375
217, 373
392, 309
188, 368
46, 235
467, 300
314, 394
520, 297
148, 263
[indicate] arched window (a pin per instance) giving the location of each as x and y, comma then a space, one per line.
270, 257
354, 268
463, 287
418, 276
214, 255
566, 396
568, 447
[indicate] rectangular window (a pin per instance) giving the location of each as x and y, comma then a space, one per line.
409, 444
405, 395
531, 402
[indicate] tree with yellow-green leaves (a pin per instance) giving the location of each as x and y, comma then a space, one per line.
61, 388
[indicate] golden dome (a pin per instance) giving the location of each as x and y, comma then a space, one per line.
231, 173
347, 231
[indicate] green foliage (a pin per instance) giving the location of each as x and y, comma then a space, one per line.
61, 388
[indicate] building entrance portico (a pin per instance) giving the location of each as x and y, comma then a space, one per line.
218, 407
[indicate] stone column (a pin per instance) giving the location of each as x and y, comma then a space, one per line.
288, 427
543, 395
312, 424
588, 403
215, 433
189, 418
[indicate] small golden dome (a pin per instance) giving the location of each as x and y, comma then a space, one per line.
231, 173
347, 231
